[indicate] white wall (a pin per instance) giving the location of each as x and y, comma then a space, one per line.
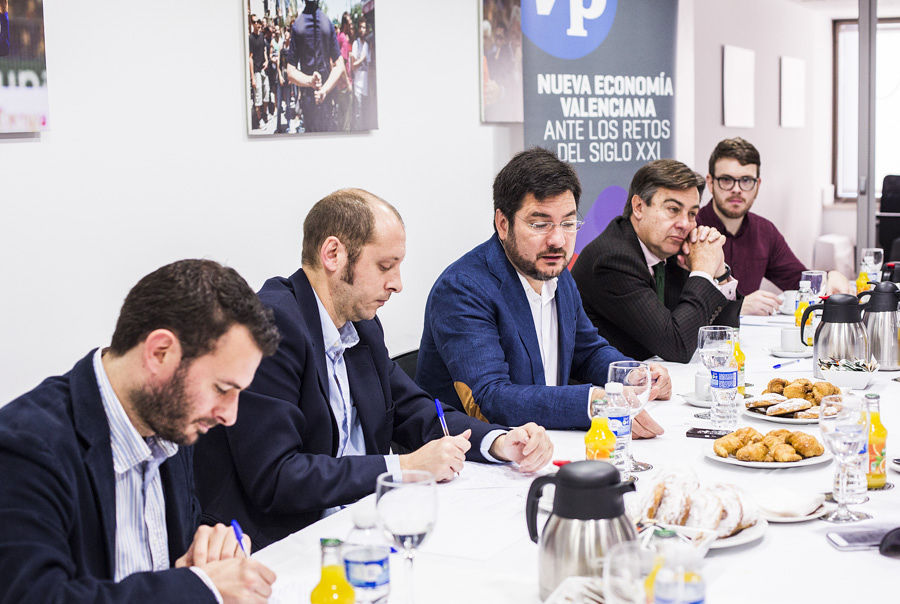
796, 162
148, 162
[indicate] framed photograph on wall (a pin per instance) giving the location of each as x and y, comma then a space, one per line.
24, 106
310, 66
501, 60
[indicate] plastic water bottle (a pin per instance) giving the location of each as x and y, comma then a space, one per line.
723, 385
618, 412
367, 557
856, 478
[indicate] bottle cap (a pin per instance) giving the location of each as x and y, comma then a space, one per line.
329, 542
614, 388
805, 284
665, 533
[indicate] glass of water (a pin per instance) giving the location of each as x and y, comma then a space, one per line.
407, 510
716, 346
818, 283
636, 384
872, 259
845, 428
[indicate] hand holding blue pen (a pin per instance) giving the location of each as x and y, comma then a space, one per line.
440, 414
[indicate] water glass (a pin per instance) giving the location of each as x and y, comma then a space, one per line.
636, 385
407, 510
716, 346
818, 283
845, 429
625, 572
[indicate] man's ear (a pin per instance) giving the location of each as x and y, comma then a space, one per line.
161, 353
332, 254
502, 225
637, 206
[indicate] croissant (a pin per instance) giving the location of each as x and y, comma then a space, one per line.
727, 445
805, 444
748, 435
752, 452
776, 385
785, 452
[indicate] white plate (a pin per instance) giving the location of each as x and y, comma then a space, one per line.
748, 535
771, 465
791, 354
819, 511
780, 420
692, 400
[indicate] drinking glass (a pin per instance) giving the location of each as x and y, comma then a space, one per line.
625, 572
716, 346
818, 283
871, 261
636, 384
845, 429
407, 510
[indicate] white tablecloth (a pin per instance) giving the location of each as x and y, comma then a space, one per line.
479, 550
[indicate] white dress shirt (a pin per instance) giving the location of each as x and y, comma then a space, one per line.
546, 325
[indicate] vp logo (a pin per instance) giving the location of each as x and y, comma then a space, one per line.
578, 12
568, 29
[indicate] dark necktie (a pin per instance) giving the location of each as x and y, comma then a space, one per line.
659, 272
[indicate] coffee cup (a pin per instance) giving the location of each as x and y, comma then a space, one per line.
701, 383
789, 305
790, 339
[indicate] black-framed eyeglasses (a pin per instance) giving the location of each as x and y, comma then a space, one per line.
726, 183
545, 227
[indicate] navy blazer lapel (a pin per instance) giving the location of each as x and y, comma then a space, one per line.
514, 294
366, 392
90, 422
306, 298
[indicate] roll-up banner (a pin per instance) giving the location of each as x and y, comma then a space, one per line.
599, 91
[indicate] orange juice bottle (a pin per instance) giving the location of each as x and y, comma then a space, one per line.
876, 474
741, 359
600, 441
333, 587
862, 282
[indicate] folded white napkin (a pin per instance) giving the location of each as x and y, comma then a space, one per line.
786, 503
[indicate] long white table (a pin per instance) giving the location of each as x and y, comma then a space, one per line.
479, 550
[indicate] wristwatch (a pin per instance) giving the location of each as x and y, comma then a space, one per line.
725, 275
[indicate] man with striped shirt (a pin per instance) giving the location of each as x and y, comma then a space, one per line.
96, 479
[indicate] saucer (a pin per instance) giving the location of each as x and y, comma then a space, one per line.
791, 354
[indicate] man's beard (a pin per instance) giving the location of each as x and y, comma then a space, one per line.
730, 213
164, 409
529, 267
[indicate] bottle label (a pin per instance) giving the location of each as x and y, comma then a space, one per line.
876, 458
364, 572
723, 379
620, 425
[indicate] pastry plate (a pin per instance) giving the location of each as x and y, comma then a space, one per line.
816, 513
780, 420
748, 535
692, 400
791, 354
771, 465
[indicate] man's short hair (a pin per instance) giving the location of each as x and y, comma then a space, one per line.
734, 148
536, 171
345, 214
198, 300
661, 174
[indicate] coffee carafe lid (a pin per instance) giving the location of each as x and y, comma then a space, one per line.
841, 308
589, 490
883, 297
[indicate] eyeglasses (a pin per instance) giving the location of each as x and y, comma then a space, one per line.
726, 183
543, 228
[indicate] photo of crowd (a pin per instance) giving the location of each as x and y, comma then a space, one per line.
311, 66
501, 61
23, 67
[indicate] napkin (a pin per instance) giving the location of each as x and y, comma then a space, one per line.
786, 503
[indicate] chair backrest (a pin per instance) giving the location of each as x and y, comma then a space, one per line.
890, 193
407, 362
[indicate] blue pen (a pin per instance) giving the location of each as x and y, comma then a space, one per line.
239, 534
440, 414
780, 365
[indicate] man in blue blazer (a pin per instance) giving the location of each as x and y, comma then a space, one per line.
317, 422
96, 478
504, 327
